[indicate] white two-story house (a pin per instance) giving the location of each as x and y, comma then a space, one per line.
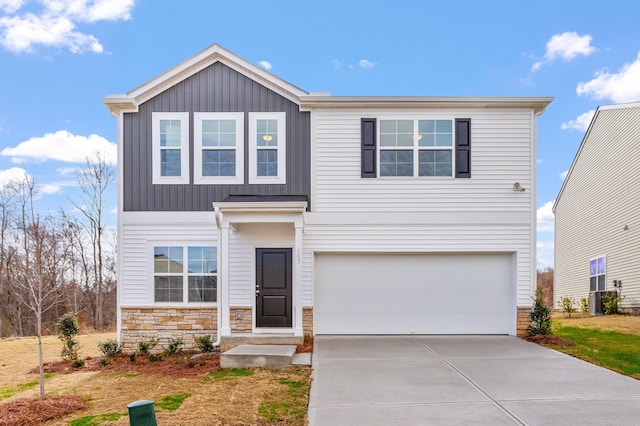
249, 207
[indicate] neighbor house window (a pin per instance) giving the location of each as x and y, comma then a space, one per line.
598, 274
416, 148
219, 147
185, 274
267, 147
170, 144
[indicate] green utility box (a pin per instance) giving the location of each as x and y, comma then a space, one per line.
141, 413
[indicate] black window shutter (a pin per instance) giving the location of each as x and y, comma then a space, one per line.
368, 144
463, 147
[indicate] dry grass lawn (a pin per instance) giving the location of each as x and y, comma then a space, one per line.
232, 400
621, 323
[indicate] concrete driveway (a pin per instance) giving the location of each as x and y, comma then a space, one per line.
455, 380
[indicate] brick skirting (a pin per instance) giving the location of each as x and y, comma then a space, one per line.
245, 323
165, 324
307, 320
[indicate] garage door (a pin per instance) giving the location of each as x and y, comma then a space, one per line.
413, 293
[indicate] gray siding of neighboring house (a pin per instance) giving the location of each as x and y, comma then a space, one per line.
598, 210
217, 88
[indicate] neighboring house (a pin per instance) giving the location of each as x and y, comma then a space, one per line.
249, 207
597, 212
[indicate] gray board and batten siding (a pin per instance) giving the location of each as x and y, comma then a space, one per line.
217, 88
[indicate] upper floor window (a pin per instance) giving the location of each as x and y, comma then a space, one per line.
416, 148
170, 144
597, 274
184, 274
219, 147
267, 147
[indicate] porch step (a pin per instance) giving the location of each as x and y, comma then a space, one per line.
266, 356
228, 342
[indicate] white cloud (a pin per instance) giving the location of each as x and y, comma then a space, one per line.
623, 86
49, 189
580, 123
67, 170
565, 46
539, 161
63, 146
544, 254
545, 217
56, 23
564, 174
366, 64
337, 64
266, 65
12, 175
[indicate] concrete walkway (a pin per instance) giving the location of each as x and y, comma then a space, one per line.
460, 380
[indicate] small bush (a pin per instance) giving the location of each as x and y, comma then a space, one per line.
68, 329
174, 346
204, 343
132, 357
611, 304
105, 361
584, 306
145, 346
110, 347
540, 315
568, 305
77, 363
155, 357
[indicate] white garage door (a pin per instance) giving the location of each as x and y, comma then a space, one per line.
413, 293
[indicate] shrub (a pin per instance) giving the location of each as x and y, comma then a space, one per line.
204, 343
611, 304
77, 363
68, 329
174, 346
145, 346
568, 305
110, 347
105, 361
155, 357
584, 305
540, 315
132, 357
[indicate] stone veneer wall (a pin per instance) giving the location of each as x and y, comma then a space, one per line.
523, 321
165, 323
243, 325
307, 320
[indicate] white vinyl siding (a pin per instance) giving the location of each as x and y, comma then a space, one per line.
597, 201
145, 230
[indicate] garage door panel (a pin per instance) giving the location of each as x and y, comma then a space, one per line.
415, 293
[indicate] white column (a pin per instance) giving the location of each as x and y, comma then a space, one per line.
223, 272
297, 280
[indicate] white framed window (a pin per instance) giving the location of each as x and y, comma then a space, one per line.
267, 147
598, 274
219, 147
185, 274
416, 148
170, 144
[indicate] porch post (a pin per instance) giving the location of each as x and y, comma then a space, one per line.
223, 269
297, 278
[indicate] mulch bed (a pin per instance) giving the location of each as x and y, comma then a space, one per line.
34, 411
549, 340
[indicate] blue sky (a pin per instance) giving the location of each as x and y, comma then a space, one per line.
58, 58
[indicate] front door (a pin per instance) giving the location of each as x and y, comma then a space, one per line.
273, 287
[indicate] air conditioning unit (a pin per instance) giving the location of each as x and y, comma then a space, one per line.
595, 301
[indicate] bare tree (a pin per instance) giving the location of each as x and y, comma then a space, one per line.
94, 180
545, 282
7, 208
39, 265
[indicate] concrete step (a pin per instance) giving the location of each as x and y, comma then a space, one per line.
228, 342
266, 356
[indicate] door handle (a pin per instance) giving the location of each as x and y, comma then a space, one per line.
257, 292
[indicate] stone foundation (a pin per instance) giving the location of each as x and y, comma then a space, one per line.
165, 324
307, 320
523, 321
245, 323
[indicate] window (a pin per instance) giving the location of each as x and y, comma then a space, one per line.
219, 148
173, 282
416, 147
267, 144
597, 274
170, 143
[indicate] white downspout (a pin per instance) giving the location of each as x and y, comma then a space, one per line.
218, 286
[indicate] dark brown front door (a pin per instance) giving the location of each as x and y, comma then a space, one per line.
273, 287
